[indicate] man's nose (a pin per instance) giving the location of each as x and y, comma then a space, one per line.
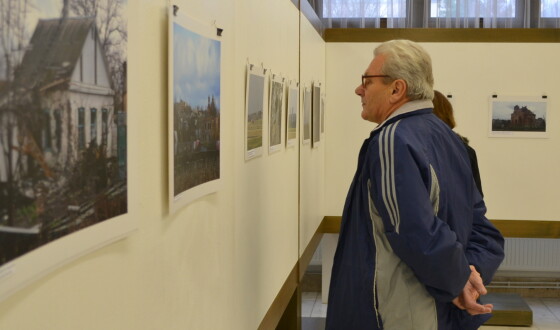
359, 90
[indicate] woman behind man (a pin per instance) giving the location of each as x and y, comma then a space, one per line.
444, 111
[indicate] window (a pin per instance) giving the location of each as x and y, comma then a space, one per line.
81, 128
472, 8
46, 136
438, 13
93, 126
58, 129
104, 126
476, 13
360, 8
550, 8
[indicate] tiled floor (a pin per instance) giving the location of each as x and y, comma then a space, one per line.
546, 313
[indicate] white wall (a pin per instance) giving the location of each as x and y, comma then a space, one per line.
219, 262
312, 162
266, 201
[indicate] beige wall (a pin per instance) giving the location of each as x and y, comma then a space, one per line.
219, 262
312, 162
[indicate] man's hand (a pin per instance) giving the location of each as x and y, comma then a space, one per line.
472, 290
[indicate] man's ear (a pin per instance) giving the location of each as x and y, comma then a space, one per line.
399, 90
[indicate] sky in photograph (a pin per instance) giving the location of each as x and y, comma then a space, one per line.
256, 94
196, 67
503, 110
293, 100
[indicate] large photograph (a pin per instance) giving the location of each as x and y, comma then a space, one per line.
194, 75
275, 120
254, 111
63, 146
518, 117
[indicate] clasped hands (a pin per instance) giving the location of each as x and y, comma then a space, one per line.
472, 290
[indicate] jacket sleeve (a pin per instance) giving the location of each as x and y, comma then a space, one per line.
485, 249
417, 236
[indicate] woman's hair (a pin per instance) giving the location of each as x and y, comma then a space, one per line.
443, 109
407, 60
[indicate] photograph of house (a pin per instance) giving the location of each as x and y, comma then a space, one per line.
519, 116
62, 119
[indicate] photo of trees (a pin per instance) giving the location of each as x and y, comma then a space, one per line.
63, 164
275, 121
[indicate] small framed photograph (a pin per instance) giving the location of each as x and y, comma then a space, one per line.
292, 113
306, 127
323, 113
518, 116
316, 115
254, 111
276, 114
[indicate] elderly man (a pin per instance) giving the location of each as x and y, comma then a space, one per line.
415, 248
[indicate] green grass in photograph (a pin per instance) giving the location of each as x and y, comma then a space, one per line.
254, 134
291, 133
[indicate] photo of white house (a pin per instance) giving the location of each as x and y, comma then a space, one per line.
62, 124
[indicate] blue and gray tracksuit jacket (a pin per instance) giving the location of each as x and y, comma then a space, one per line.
412, 224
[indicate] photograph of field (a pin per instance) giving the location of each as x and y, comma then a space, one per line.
276, 104
194, 110
254, 112
292, 111
63, 145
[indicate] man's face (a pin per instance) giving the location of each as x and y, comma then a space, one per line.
375, 93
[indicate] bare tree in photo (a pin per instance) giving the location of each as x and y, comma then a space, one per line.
13, 40
112, 36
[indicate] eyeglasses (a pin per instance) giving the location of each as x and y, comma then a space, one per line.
364, 77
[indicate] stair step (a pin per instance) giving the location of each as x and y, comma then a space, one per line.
509, 309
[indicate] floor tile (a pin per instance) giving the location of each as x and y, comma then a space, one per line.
553, 305
543, 318
309, 295
307, 307
319, 309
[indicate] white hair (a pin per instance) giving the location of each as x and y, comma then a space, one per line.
407, 60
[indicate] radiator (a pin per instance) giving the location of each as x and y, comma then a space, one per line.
531, 254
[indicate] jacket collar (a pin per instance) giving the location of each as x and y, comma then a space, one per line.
405, 109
